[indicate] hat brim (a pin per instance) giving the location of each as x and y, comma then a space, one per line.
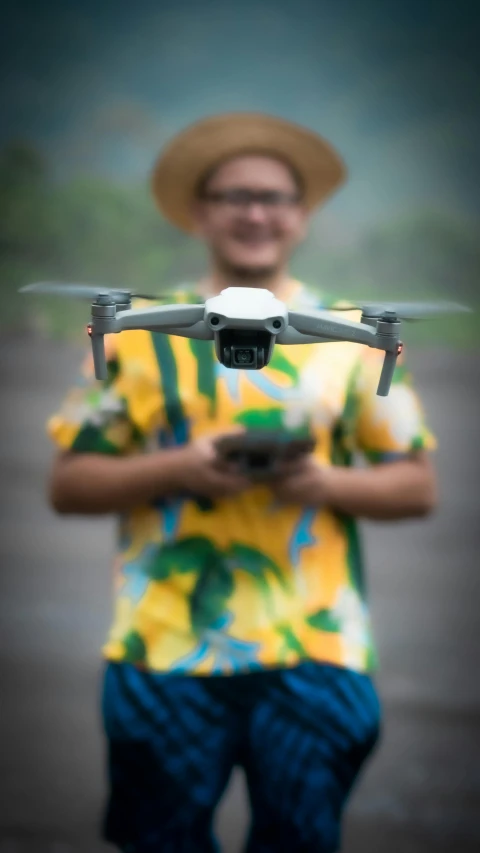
198, 149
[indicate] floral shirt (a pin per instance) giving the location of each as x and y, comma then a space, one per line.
242, 583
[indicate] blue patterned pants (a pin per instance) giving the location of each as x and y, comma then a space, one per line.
302, 735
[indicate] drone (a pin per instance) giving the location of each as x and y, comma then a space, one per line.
246, 323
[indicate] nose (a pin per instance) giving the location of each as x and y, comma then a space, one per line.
256, 212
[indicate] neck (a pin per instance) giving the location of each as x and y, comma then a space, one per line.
278, 282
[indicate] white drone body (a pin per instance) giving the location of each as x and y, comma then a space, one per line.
246, 323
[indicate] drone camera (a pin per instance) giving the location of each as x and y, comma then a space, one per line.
244, 349
244, 357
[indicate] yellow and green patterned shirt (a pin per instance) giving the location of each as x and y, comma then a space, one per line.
242, 583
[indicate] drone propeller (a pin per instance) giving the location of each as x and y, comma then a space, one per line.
86, 291
404, 310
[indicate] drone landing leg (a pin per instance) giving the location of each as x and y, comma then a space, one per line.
386, 376
99, 360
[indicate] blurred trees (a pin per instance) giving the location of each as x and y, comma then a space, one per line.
88, 230
96, 231
427, 254
23, 190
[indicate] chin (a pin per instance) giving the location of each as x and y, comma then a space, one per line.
252, 267
261, 255
251, 272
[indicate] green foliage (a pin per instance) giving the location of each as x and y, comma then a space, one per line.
97, 231
87, 230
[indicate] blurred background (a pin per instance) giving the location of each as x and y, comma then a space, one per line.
89, 93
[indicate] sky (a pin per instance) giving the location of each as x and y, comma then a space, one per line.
395, 86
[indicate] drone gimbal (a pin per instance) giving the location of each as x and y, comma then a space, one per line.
246, 323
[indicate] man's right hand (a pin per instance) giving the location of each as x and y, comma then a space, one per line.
196, 468
97, 484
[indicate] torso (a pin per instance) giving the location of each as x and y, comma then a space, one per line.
247, 583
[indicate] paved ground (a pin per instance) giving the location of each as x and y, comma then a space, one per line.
421, 794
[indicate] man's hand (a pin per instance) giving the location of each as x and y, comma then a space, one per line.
391, 491
198, 469
97, 484
303, 482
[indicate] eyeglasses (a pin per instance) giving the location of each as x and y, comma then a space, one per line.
240, 199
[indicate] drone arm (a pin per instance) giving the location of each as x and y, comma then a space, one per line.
314, 326
291, 336
321, 327
159, 318
199, 331
184, 320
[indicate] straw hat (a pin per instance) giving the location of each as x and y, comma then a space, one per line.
203, 145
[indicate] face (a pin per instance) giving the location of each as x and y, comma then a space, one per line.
251, 216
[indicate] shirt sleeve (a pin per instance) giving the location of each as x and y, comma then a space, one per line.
95, 416
389, 427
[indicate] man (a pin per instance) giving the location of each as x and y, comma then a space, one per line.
241, 633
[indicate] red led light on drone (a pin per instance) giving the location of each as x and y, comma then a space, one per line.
89, 330
399, 348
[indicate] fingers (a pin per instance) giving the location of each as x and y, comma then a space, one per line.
207, 445
289, 468
206, 450
288, 490
305, 488
219, 491
222, 478
225, 485
296, 464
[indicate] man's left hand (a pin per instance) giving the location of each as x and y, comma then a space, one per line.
303, 482
406, 488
